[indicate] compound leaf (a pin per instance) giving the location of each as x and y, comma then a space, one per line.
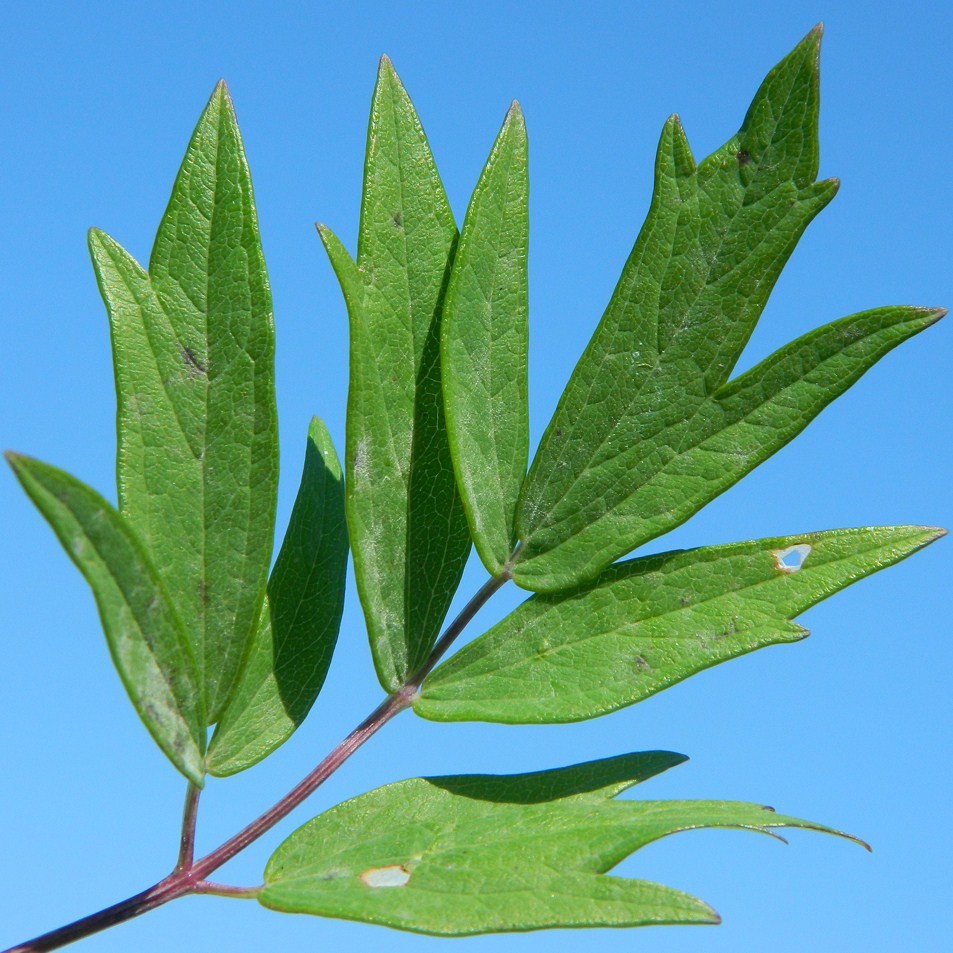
408, 530
146, 639
300, 620
477, 854
648, 623
648, 429
484, 347
193, 350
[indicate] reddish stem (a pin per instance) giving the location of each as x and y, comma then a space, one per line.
189, 875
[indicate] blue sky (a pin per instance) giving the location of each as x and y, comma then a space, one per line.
850, 727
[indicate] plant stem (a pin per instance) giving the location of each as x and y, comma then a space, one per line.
189, 875
392, 705
226, 890
458, 625
189, 816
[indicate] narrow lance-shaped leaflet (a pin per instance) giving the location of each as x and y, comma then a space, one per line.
484, 347
648, 623
193, 349
300, 620
146, 639
407, 526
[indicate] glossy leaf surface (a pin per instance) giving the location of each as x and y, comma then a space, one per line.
484, 346
146, 638
475, 854
193, 349
648, 623
649, 428
300, 620
408, 530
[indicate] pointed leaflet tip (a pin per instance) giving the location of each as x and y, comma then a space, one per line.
681, 150
386, 68
812, 39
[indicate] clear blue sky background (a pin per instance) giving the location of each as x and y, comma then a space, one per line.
851, 727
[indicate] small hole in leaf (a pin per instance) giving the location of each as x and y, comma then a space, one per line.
792, 558
394, 876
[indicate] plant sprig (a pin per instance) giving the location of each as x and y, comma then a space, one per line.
650, 428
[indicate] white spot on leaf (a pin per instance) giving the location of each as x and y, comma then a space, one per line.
394, 876
792, 558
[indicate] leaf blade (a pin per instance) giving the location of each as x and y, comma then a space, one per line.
697, 456
146, 639
300, 621
475, 854
193, 345
713, 244
649, 623
408, 531
484, 341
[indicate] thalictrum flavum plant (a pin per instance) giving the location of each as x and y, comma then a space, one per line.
650, 428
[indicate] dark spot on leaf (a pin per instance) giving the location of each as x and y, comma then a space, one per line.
557, 432
196, 368
743, 157
641, 663
203, 592
398, 219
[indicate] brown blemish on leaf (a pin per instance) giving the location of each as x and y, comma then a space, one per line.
396, 875
743, 157
196, 368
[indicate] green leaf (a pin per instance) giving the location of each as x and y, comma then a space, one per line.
146, 638
648, 431
648, 623
478, 854
407, 526
300, 620
484, 347
193, 348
